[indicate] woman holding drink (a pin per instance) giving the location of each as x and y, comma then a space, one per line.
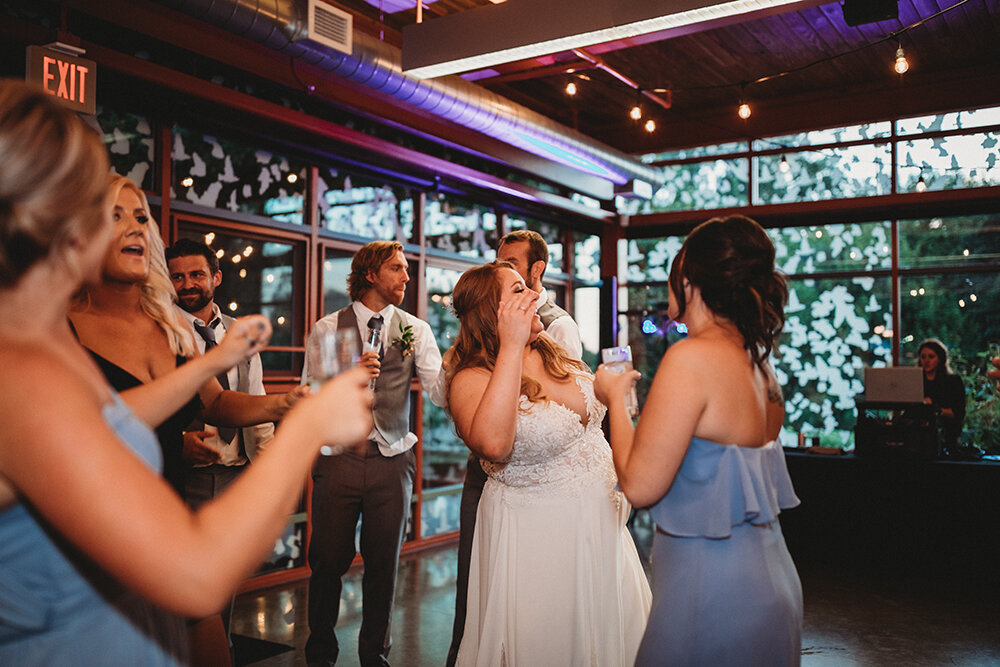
705, 457
97, 553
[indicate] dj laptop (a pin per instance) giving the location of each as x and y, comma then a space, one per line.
895, 384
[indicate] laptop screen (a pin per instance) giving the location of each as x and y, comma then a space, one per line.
896, 384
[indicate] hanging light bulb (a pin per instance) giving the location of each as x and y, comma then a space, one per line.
921, 183
783, 166
901, 65
650, 125
571, 88
744, 111
635, 113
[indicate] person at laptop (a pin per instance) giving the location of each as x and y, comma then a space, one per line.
943, 389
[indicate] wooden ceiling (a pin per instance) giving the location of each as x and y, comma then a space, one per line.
799, 69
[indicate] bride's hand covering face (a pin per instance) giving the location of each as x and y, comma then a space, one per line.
517, 320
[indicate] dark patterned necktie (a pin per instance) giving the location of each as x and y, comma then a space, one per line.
207, 332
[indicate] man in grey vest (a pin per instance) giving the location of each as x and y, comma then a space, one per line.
375, 482
528, 253
215, 456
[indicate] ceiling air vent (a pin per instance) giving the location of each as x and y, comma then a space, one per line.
330, 26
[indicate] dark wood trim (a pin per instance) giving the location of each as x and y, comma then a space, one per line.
956, 202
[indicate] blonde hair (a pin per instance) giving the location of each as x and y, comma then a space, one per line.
52, 170
157, 297
476, 298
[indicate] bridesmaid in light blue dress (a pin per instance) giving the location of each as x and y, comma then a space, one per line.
99, 557
704, 458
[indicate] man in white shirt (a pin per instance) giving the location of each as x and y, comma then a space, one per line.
216, 456
528, 253
375, 482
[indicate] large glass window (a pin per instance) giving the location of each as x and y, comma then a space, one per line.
258, 276
959, 241
713, 184
945, 163
444, 454
129, 139
960, 310
586, 257
548, 231
833, 329
457, 226
862, 170
226, 174
336, 268
352, 204
832, 247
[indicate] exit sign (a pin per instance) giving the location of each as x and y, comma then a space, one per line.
71, 80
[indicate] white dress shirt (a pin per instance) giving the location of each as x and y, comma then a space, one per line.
565, 331
229, 452
426, 359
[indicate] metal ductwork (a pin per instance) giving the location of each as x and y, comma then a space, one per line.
281, 25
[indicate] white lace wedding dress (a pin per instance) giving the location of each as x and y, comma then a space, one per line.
555, 578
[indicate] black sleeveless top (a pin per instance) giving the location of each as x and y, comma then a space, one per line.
171, 432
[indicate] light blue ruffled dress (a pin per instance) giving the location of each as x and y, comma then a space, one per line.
725, 590
58, 608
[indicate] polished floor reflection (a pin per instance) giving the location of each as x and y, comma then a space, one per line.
850, 619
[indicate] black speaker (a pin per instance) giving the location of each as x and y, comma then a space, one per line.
858, 12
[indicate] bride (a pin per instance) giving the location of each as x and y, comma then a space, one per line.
555, 578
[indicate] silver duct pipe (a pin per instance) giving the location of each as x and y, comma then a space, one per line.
281, 25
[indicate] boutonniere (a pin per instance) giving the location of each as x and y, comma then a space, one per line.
404, 341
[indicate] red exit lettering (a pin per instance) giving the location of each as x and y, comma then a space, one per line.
70, 79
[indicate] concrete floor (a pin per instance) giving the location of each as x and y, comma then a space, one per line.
850, 619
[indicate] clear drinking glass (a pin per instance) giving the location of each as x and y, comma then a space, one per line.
339, 350
619, 360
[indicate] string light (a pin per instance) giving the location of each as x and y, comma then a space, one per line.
901, 65
744, 110
921, 184
650, 125
571, 88
635, 113
783, 166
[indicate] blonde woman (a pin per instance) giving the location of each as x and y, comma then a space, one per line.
554, 577
97, 554
129, 323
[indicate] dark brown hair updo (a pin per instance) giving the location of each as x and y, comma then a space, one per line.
476, 299
731, 260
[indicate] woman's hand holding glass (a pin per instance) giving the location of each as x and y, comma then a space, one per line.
245, 337
340, 411
339, 350
611, 387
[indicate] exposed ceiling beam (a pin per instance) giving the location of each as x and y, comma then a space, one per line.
519, 29
922, 93
199, 37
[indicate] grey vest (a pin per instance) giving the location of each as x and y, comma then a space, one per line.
392, 388
549, 312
